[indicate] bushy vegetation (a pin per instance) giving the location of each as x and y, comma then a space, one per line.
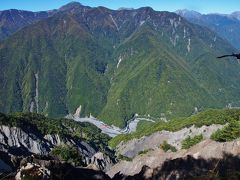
125, 158
189, 142
166, 147
143, 152
69, 154
228, 133
208, 117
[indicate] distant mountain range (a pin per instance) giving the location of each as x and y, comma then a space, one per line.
13, 20
225, 25
115, 64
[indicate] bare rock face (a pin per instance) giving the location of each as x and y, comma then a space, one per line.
18, 142
190, 168
33, 171
132, 148
46, 167
16, 138
101, 161
205, 150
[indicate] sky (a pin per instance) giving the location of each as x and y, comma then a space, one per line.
203, 6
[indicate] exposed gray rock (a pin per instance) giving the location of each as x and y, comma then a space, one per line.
133, 147
34, 170
15, 137
47, 167
101, 161
206, 149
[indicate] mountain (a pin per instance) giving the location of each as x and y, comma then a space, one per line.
116, 64
13, 20
189, 14
236, 15
226, 26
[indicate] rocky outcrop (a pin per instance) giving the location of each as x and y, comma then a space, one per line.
48, 167
32, 171
20, 142
191, 168
132, 148
60, 171
26, 134
34, 142
205, 150
13, 137
101, 161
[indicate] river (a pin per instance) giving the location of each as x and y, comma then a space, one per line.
112, 131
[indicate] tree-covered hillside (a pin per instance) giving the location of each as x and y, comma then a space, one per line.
228, 117
116, 64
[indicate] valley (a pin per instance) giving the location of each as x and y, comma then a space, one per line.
112, 131
128, 93
116, 65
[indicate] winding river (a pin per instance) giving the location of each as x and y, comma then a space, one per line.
112, 131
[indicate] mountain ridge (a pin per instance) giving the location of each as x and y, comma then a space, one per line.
225, 25
100, 59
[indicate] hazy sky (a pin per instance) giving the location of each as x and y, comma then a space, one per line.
203, 6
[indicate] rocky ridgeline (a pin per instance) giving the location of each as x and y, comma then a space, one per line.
208, 159
11, 137
44, 167
15, 138
17, 142
180, 164
133, 147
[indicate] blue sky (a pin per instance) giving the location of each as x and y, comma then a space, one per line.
203, 6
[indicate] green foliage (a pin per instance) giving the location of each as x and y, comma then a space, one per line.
166, 147
143, 152
189, 142
66, 64
78, 66
124, 158
208, 117
68, 153
228, 133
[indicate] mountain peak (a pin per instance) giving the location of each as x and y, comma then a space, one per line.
236, 14
125, 8
188, 13
147, 8
70, 6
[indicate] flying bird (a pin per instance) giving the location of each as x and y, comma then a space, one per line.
234, 55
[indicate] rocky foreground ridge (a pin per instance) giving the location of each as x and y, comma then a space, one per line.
206, 160
133, 147
203, 146
39, 146
152, 163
